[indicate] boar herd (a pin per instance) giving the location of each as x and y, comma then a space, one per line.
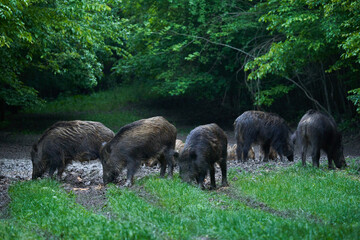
153, 140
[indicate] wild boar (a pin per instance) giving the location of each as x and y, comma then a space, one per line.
66, 141
266, 129
179, 145
272, 154
231, 152
139, 142
319, 131
204, 146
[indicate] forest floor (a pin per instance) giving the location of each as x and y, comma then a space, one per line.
85, 179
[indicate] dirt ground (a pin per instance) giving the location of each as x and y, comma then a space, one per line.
85, 179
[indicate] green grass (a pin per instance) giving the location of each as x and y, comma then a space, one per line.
54, 213
105, 101
289, 203
10, 229
333, 196
114, 108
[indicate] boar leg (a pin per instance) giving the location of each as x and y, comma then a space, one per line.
265, 149
330, 161
170, 162
212, 177
52, 170
239, 150
132, 167
315, 156
243, 151
200, 180
223, 168
55, 163
162, 162
60, 171
303, 154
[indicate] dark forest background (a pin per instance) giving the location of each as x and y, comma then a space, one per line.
214, 59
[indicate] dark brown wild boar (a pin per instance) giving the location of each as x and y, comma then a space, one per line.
204, 146
266, 129
139, 142
66, 141
319, 131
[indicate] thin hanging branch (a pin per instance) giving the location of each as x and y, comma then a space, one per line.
307, 94
216, 43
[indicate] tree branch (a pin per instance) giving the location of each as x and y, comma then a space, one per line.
216, 43
252, 56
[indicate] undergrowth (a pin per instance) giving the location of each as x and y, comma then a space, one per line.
114, 108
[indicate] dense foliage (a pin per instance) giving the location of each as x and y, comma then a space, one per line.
285, 56
54, 46
316, 47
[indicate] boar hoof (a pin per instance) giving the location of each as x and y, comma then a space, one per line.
225, 184
212, 188
128, 184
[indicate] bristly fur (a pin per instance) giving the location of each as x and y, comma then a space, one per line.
319, 130
266, 129
138, 142
66, 141
204, 146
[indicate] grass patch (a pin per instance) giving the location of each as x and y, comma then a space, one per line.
332, 196
169, 209
105, 101
10, 229
353, 166
219, 216
54, 213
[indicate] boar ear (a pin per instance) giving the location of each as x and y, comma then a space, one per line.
193, 155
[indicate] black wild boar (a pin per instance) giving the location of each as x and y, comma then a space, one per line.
204, 146
139, 142
66, 141
319, 131
266, 129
